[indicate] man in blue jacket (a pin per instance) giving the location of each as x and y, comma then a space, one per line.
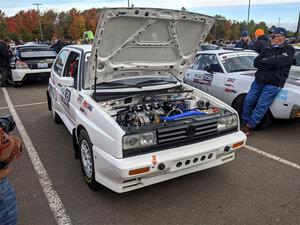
244, 42
273, 65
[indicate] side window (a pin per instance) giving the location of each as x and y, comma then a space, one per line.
60, 62
72, 66
205, 61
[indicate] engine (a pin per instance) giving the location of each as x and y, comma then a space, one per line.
140, 111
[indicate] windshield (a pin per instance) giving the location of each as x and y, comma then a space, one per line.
36, 52
238, 63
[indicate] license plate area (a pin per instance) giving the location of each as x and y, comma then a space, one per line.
193, 161
42, 65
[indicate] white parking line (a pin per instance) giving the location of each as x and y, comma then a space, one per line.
25, 105
54, 200
274, 157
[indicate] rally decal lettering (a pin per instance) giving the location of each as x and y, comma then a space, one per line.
87, 106
283, 95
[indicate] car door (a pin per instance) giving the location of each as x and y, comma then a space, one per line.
70, 94
210, 82
56, 73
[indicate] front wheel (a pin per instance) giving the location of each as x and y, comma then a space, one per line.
87, 159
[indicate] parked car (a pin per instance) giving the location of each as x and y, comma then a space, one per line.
227, 75
133, 121
205, 47
31, 62
296, 64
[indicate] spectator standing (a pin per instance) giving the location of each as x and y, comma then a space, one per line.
57, 44
5, 55
261, 40
10, 149
273, 65
244, 41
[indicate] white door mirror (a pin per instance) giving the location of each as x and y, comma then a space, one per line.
66, 81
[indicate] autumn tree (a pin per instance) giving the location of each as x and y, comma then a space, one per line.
77, 25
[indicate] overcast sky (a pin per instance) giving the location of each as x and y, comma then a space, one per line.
271, 11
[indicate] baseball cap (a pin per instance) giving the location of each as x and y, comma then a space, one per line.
245, 33
259, 32
280, 30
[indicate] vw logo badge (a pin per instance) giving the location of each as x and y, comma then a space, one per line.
190, 131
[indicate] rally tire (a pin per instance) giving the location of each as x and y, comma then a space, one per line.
265, 123
87, 159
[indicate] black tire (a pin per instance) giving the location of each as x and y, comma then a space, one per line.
86, 150
237, 104
17, 84
265, 122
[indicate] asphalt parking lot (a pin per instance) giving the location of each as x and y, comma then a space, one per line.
261, 186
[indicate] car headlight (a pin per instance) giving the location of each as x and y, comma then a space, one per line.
139, 140
227, 122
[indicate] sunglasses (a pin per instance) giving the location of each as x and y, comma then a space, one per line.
276, 35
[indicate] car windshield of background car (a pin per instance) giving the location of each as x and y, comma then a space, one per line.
238, 63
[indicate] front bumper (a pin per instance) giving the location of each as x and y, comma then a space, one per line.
21, 74
114, 173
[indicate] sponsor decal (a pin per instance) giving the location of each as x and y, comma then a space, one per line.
83, 111
229, 90
79, 99
283, 95
154, 161
87, 106
66, 96
205, 79
230, 80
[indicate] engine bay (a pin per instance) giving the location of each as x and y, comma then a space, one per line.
139, 111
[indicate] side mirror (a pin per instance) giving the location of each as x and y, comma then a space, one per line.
65, 81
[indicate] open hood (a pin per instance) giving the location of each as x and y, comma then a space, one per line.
141, 41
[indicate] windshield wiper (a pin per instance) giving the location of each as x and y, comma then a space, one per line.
160, 82
114, 85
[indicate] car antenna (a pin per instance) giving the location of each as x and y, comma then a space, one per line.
95, 77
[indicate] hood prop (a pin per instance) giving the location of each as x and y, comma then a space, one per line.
95, 77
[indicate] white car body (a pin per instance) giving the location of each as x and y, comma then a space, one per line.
33, 65
137, 41
228, 86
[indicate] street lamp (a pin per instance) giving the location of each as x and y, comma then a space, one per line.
248, 11
37, 6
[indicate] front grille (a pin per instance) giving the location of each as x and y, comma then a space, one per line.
187, 131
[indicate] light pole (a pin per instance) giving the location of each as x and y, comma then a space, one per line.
128, 3
37, 6
248, 11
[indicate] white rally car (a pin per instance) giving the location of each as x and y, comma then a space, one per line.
31, 62
133, 122
228, 74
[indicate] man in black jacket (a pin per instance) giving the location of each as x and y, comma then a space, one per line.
5, 56
273, 65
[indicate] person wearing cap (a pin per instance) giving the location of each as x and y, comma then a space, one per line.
273, 65
261, 40
5, 56
244, 42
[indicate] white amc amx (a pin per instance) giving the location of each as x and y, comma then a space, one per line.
228, 75
133, 122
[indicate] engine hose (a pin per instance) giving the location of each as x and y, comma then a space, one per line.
183, 115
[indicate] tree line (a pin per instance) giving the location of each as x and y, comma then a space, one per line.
71, 24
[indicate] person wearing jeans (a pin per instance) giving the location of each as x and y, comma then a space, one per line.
273, 65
